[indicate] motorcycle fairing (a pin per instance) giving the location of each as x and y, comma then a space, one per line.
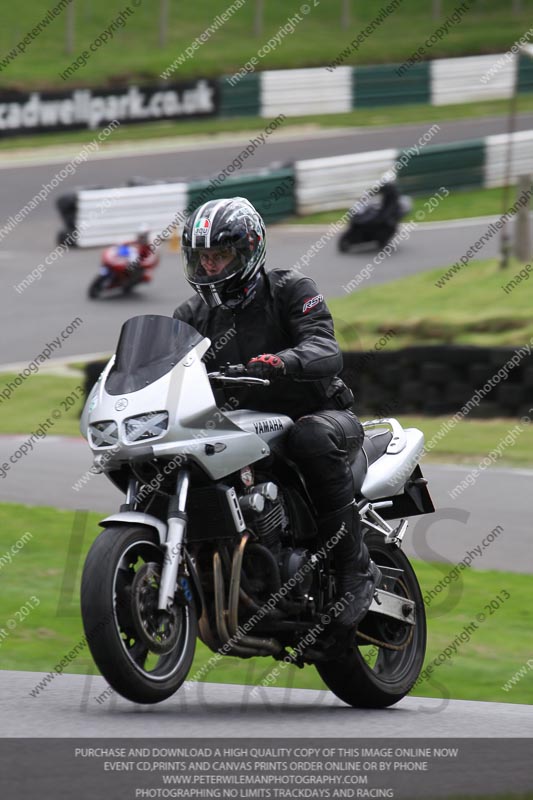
272, 428
196, 427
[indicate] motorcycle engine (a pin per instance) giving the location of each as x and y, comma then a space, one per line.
265, 513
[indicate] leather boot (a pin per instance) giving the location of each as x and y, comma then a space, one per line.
356, 575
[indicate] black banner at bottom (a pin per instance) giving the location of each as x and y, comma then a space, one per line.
132, 769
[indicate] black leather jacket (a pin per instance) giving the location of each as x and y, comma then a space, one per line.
287, 316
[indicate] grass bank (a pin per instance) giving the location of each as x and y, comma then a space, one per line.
314, 38
48, 567
471, 308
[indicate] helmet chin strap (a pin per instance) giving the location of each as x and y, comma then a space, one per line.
244, 295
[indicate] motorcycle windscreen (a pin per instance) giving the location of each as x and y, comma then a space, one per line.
149, 346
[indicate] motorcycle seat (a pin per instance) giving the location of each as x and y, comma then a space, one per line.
374, 446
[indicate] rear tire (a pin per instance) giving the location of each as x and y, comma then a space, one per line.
385, 676
142, 658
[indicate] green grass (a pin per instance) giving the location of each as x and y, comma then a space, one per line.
459, 204
471, 308
471, 440
380, 116
318, 39
33, 402
43, 568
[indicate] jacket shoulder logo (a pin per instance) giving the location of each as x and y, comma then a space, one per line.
268, 425
311, 302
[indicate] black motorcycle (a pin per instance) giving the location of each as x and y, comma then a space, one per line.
375, 219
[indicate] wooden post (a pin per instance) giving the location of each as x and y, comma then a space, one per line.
505, 241
437, 9
163, 22
345, 16
259, 17
71, 28
522, 243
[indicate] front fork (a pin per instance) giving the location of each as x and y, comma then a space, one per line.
177, 526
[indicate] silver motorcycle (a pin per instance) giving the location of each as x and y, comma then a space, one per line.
217, 536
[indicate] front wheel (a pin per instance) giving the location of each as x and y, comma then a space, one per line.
344, 243
144, 654
96, 287
388, 657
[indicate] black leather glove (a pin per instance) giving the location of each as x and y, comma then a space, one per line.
268, 366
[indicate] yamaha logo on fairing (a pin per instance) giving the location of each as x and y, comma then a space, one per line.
268, 425
121, 404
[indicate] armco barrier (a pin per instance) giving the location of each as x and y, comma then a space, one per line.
109, 216
496, 150
457, 165
525, 74
106, 216
337, 182
309, 186
241, 100
270, 191
460, 80
297, 92
381, 85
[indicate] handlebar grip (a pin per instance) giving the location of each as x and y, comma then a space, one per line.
234, 370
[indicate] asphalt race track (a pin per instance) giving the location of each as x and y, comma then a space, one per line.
80, 712
68, 707
46, 307
43, 309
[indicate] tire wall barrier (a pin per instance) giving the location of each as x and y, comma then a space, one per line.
435, 380
426, 380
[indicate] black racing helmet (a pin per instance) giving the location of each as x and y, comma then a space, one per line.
231, 227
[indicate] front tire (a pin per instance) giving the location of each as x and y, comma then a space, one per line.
344, 243
96, 287
145, 656
384, 676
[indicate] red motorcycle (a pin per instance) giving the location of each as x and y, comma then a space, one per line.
123, 267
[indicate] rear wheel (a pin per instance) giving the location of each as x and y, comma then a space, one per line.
388, 657
144, 654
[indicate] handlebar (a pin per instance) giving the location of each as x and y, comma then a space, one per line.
236, 373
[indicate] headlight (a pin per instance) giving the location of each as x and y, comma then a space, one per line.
146, 426
103, 434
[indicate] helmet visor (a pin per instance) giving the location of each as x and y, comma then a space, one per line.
210, 265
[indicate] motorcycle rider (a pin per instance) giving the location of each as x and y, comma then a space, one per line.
389, 212
143, 245
278, 324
